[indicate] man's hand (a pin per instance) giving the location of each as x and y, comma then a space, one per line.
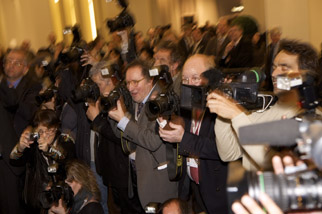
117, 113
93, 110
59, 209
173, 132
254, 208
223, 106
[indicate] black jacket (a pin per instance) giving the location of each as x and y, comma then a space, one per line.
111, 163
212, 171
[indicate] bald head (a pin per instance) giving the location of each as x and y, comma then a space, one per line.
194, 67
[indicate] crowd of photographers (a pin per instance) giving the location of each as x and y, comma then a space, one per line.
125, 126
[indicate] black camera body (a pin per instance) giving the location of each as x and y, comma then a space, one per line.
109, 102
47, 95
72, 55
244, 89
34, 136
89, 90
58, 191
167, 102
120, 22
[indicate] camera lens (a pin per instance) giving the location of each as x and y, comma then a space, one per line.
290, 192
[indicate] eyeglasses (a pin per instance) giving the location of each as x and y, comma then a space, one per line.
194, 80
133, 82
50, 131
16, 63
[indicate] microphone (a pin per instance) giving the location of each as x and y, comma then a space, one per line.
276, 133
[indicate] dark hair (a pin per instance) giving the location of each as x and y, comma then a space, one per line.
46, 117
182, 205
307, 55
143, 65
175, 54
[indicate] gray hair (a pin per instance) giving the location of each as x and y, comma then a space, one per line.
97, 68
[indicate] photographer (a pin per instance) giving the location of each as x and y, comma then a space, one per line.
293, 59
204, 172
110, 161
148, 162
43, 149
86, 192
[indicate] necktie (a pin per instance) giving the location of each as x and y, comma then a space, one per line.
140, 106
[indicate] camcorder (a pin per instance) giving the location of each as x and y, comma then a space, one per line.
88, 91
244, 88
167, 102
300, 188
121, 21
47, 95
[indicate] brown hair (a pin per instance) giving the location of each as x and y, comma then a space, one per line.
81, 173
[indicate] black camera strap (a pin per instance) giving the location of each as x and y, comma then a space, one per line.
174, 162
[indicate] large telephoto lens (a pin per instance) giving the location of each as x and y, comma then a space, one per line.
300, 191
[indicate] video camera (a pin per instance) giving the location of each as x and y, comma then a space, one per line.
167, 102
299, 188
244, 88
89, 90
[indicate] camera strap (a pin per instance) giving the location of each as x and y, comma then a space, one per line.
125, 145
174, 162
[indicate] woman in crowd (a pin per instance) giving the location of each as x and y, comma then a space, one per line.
86, 192
44, 151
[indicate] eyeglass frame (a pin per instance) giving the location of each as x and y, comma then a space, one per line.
14, 62
194, 80
135, 82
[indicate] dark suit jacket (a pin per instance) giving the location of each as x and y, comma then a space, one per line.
153, 184
111, 163
20, 102
212, 171
10, 194
184, 48
213, 49
241, 55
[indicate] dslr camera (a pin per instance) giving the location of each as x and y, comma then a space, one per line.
109, 102
167, 102
59, 190
121, 21
47, 95
89, 90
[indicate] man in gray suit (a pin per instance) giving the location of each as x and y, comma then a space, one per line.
149, 160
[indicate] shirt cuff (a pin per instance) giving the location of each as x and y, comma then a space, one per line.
123, 123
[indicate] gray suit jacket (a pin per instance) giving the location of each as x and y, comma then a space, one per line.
153, 183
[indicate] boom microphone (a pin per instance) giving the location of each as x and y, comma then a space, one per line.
276, 133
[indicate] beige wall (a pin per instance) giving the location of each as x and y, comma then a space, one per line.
291, 15
35, 19
25, 19
315, 21
256, 8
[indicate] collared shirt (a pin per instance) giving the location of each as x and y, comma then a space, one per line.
15, 83
125, 120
